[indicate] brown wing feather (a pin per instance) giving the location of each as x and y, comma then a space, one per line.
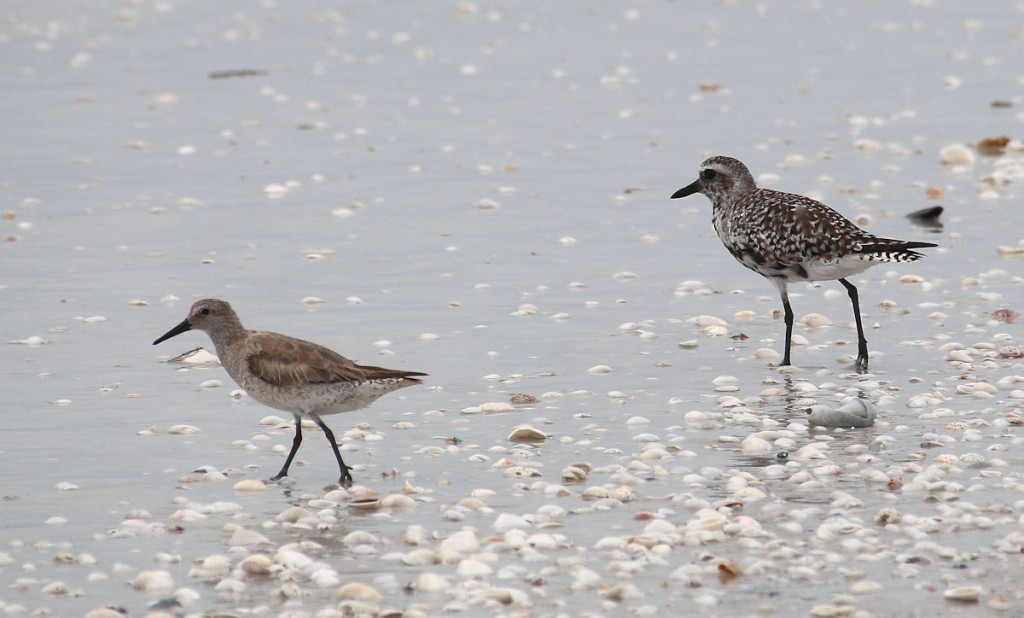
286, 361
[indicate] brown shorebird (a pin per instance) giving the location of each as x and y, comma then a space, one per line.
290, 374
786, 237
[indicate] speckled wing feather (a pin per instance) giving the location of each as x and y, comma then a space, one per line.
792, 229
815, 232
286, 361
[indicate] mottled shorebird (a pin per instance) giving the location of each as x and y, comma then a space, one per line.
290, 374
786, 237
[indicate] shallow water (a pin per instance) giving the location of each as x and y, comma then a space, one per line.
441, 166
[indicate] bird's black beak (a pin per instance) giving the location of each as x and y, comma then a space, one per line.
177, 330
689, 189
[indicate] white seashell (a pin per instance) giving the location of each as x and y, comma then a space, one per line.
420, 557
275, 190
365, 504
361, 492
956, 155
496, 407
599, 369
963, 594
186, 596
470, 568
359, 592
359, 537
216, 564
756, 447
150, 581
815, 320
433, 583
256, 564
242, 536
458, 544
526, 433
34, 340
398, 501
55, 589
574, 474
211, 384
508, 521
250, 485
182, 430
854, 413
293, 514
623, 493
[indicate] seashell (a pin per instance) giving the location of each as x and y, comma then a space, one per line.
398, 501
216, 564
153, 581
574, 474
365, 504
854, 413
359, 592
866, 587
182, 430
55, 589
471, 568
361, 492
728, 569
359, 537
433, 583
250, 485
458, 544
496, 407
293, 514
242, 536
526, 434
256, 564
956, 155
756, 447
815, 320
963, 594
420, 557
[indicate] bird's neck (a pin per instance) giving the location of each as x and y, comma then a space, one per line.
225, 338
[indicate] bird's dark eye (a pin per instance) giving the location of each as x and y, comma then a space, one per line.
710, 174
205, 311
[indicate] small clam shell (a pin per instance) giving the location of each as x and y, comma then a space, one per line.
256, 564
250, 485
365, 504
359, 592
963, 594
855, 413
527, 433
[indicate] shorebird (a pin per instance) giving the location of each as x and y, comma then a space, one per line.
290, 374
786, 237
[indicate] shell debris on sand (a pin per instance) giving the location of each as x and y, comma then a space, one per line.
687, 480
854, 413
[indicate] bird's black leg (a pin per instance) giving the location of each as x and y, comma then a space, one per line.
295, 449
346, 476
862, 343
788, 313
